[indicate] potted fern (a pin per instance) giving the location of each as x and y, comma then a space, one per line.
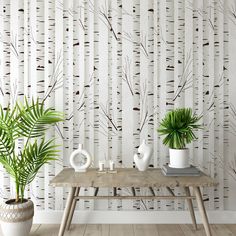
178, 127
26, 123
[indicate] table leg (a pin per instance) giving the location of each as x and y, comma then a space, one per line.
190, 207
202, 210
66, 211
72, 209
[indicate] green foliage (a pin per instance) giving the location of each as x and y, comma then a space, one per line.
178, 127
27, 122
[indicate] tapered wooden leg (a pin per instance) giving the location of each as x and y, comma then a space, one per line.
202, 210
190, 207
72, 209
66, 211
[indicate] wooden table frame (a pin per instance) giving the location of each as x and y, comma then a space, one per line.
74, 196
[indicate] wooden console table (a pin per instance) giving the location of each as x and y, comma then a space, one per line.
130, 178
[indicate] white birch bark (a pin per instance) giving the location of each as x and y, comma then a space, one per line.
40, 88
179, 75
156, 85
96, 80
218, 110
211, 123
169, 64
164, 156
150, 94
6, 86
96, 107
67, 81
76, 68
30, 42
110, 122
136, 81
206, 94
119, 66
87, 132
59, 100
6, 39
196, 22
226, 103
50, 94
21, 62
109, 76
20, 55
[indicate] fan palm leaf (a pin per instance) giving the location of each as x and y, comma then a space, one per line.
35, 156
178, 126
34, 119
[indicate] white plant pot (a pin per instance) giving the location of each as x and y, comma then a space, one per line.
179, 158
16, 219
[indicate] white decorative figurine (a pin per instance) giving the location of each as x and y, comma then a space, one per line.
143, 160
77, 164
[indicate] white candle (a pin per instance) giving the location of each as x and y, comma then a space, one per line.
101, 165
112, 165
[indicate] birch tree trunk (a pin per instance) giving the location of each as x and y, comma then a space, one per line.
119, 65
76, 77
169, 64
96, 79
150, 94
86, 84
59, 100
51, 69
21, 62
40, 86
156, 117
68, 81
180, 71
211, 104
19, 52
206, 94
109, 98
6, 86
180, 76
136, 80
226, 102
218, 73
196, 21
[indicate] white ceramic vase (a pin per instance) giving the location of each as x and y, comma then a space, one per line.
142, 161
16, 219
76, 165
179, 158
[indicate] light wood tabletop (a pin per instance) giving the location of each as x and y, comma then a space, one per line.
128, 177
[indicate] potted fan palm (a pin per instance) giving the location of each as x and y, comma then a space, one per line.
26, 123
178, 127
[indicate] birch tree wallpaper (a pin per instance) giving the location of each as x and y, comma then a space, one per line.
114, 67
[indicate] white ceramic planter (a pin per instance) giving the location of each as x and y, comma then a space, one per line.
16, 219
179, 158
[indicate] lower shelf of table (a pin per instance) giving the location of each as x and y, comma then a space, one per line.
134, 197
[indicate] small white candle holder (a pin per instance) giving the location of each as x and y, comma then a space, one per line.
101, 167
112, 167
